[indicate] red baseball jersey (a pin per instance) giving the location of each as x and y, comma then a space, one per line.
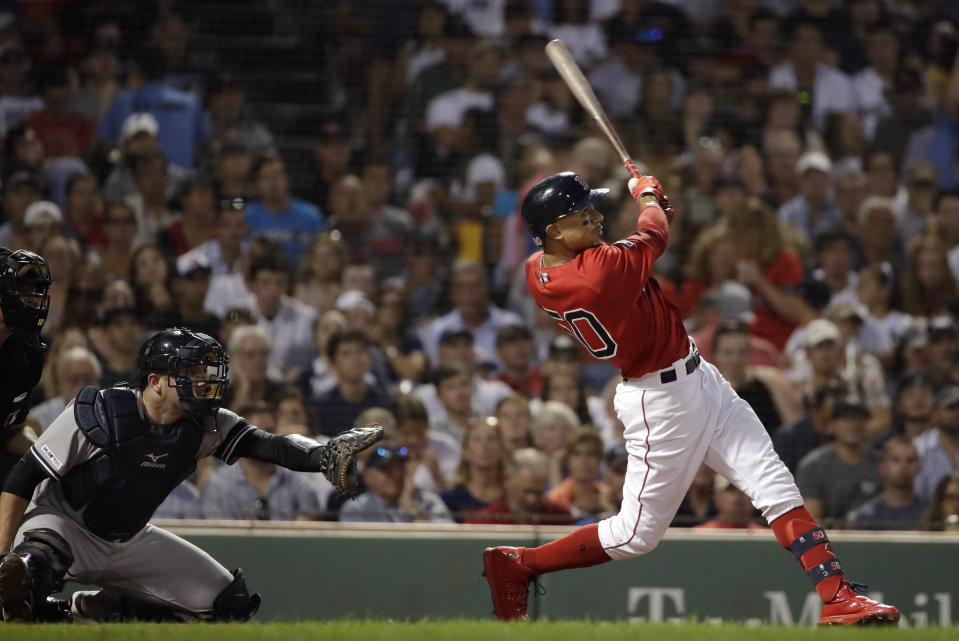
607, 299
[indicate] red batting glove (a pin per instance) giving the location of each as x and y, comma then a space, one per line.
645, 186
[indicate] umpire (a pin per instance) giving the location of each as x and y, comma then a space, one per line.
106, 463
24, 303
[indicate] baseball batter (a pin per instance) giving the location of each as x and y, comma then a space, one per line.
678, 410
104, 466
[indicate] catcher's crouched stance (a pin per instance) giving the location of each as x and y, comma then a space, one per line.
104, 466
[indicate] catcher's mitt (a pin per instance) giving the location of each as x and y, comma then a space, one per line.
337, 459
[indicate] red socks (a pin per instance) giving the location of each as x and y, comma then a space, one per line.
578, 549
788, 528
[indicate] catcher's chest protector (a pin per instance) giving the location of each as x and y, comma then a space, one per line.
138, 466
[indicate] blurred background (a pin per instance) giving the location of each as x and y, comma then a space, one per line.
332, 189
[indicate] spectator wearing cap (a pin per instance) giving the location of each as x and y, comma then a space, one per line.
526, 477
897, 507
938, 446
196, 223
288, 321
945, 212
189, 289
332, 153
472, 310
515, 349
83, 211
178, 114
835, 257
813, 210
20, 189
255, 490
457, 349
840, 476
829, 357
390, 497
139, 134
224, 251
732, 301
230, 119
826, 89
42, 221
73, 369
18, 99
352, 388
276, 213
764, 388
63, 130
734, 511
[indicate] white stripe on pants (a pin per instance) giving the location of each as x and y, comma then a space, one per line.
671, 428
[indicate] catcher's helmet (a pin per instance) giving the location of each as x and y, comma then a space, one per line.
553, 198
24, 282
175, 350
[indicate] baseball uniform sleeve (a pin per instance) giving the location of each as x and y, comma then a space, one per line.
630, 261
224, 431
62, 446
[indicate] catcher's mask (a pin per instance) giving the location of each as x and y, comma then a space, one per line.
24, 285
196, 363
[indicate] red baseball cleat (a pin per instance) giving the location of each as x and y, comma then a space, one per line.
508, 581
849, 608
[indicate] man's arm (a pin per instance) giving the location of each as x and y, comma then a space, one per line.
12, 508
17, 492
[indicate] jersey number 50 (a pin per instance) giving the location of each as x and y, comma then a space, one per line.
587, 329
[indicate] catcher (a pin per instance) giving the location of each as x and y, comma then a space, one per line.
104, 466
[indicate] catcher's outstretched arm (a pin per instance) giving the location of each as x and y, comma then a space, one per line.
291, 451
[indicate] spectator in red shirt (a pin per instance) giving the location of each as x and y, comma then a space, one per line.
515, 348
63, 130
525, 500
734, 511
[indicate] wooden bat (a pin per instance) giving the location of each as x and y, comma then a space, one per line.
576, 81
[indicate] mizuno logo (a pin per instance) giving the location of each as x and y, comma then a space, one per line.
154, 461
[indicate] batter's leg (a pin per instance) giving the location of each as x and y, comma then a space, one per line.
742, 451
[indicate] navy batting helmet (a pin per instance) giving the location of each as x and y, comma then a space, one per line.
174, 351
553, 198
24, 282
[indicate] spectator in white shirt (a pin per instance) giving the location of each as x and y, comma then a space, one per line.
821, 88
226, 250
473, 310
288, 321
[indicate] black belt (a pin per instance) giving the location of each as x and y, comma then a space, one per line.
669, 375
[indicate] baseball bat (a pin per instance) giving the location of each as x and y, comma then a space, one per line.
576, 81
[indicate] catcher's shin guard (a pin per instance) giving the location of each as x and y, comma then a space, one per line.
31, 573
235, 603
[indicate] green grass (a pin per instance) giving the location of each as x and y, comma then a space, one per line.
458, 631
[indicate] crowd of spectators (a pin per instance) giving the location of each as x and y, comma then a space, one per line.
332, 190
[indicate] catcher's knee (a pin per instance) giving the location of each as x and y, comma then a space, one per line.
235, 603
48, 557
